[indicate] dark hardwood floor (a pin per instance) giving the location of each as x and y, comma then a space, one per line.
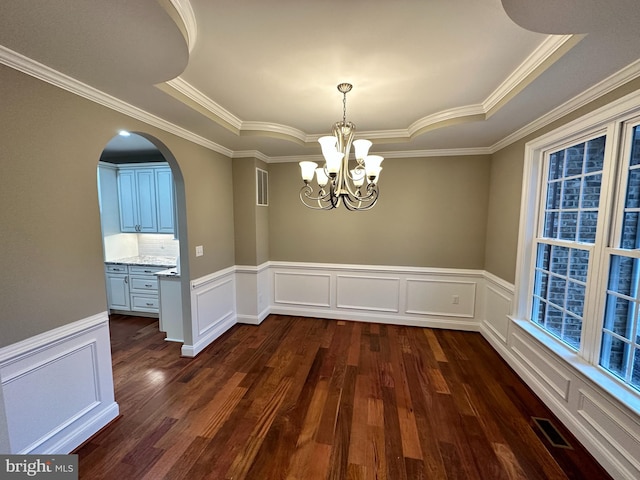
305, 398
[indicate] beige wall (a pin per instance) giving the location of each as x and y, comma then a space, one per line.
431, 213
506, 190
50, 243
250, 220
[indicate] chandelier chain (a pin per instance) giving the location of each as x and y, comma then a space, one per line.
344, 108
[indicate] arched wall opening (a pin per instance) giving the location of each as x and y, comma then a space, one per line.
162, 244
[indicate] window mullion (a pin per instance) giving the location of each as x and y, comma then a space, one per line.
598, 276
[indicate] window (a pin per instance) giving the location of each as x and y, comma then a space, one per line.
579, 251
568, 233
620, 348
262, 190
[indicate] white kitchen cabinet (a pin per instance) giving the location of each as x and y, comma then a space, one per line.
146, 200
133, 288
118, 295
165, 200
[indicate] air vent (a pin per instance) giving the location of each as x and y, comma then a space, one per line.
551, 433
262, 187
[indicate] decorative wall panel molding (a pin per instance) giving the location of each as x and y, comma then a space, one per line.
437, 297
302, 288
253, 292
58, 387
434, 297
613, 426
547, 370
362, 292
497, 308
213, 309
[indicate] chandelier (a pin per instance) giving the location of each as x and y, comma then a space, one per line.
337, 183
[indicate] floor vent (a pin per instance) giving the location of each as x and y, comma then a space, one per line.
553, 435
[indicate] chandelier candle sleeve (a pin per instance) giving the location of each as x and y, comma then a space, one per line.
338, 182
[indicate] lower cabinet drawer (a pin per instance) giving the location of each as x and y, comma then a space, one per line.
144, 283
145, 303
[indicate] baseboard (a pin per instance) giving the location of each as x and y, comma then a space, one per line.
85, 430
373, 317
208, 338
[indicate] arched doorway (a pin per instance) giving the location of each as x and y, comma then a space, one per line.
144, 236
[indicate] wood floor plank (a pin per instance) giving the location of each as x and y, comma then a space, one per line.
307, 398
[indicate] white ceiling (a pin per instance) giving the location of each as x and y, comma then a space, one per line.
253, 77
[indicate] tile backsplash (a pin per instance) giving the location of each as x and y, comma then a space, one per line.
124, 245
158, 245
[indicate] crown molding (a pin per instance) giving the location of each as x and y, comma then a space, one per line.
183, 7
186, 89
535, 61
46, 74
445, 152
251, 154
452, 152
627, 74
277, 129
516, 80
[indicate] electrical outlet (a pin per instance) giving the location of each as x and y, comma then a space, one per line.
199, 251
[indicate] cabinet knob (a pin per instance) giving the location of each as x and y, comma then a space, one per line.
148, 285
126, 279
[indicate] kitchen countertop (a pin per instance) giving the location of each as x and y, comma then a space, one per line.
145, 261
171, 272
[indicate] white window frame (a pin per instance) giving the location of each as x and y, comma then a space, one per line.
607, 120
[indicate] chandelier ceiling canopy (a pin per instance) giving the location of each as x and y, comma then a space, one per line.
337, 182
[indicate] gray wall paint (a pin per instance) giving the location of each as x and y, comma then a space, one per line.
431, 213
50, 240
506, 190
251, 220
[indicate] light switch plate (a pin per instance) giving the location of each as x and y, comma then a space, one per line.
199, 251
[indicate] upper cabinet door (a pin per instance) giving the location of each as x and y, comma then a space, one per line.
165, 201
146, 200
127, 198
147, 212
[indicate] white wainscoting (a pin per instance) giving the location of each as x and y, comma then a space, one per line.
428, 297
441, 298
570, 387
253, 291
213, 309
58, 387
